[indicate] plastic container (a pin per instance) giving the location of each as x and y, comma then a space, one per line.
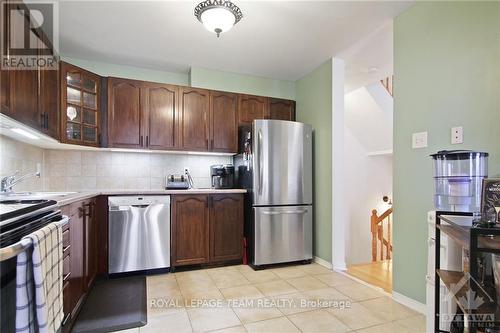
458, 177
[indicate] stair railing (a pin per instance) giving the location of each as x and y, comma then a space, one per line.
377, 230
388, 84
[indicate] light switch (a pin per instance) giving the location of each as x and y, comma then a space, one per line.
457, 135
419, 140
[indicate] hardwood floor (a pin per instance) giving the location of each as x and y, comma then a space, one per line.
377, 273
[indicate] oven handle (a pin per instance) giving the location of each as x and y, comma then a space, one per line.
13, 250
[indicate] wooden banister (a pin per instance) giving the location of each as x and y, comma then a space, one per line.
377, 230
388, 84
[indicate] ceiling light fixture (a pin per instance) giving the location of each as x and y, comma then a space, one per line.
218, 15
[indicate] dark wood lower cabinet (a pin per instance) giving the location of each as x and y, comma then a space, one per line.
189, 230
226, 227
80, 263
206, 229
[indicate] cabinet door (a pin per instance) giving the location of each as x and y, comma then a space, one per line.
223, 128
77, 255
161, 105
90, 233
125, 118
250, 108
190, 228
281, 109
23, 84
194, 119
4, 74
80, 106
226, 227
49, 102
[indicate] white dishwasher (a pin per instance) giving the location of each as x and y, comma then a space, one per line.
139, 233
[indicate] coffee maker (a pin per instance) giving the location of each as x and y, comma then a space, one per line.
222, 176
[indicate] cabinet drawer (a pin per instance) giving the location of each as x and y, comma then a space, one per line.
65, 238
66, 268
66, 251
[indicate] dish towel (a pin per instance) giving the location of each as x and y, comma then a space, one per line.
39, 302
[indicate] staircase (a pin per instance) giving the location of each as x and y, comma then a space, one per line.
381, 244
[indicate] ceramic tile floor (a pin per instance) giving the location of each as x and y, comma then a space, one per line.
238, 299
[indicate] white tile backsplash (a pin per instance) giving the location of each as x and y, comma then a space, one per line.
119, 170
73, 170
18, 156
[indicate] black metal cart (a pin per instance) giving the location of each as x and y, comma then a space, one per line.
480, 315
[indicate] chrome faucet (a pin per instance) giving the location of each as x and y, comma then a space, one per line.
9, 181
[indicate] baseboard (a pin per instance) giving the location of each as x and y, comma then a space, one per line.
410, 302
322, 262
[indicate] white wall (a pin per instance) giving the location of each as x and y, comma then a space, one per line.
368, 128
368, 179
369, 117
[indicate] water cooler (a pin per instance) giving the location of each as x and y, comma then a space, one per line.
458, 177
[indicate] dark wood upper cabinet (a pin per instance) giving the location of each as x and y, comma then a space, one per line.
190, 230
223, 122
21, 103
226, 227
161, 108
23, 98
251, 107
48, 102
4, 74
125, 116
29, 96
80, 106
281, 109
194, 113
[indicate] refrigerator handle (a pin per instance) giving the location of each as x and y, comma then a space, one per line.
261, 168
274, 212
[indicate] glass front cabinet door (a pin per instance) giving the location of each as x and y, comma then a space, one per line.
80, 106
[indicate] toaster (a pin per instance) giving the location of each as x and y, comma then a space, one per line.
177, 182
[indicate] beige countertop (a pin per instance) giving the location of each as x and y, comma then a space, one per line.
70, 198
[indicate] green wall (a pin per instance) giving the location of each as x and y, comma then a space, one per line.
248, 84
130, 72
198, 77
447, 73
314, 107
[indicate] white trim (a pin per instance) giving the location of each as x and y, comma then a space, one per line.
322, 262
410, 302
343, 272
339, 223
400, 298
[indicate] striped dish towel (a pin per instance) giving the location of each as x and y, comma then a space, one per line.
39, 274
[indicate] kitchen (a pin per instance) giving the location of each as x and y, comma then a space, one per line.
168, 191
153, 188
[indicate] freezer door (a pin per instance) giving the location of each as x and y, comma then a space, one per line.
282, 234
282, 163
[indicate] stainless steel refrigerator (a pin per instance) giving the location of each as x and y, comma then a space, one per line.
276, 169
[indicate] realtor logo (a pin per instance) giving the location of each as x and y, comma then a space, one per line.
30, 40
471, 296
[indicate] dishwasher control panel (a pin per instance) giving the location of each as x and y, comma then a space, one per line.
138, 200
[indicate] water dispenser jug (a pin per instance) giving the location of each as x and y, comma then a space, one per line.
458, 176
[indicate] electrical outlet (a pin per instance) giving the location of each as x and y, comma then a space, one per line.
457, 135
419, 140
186, 170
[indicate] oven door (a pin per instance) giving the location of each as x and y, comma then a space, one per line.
11, 234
